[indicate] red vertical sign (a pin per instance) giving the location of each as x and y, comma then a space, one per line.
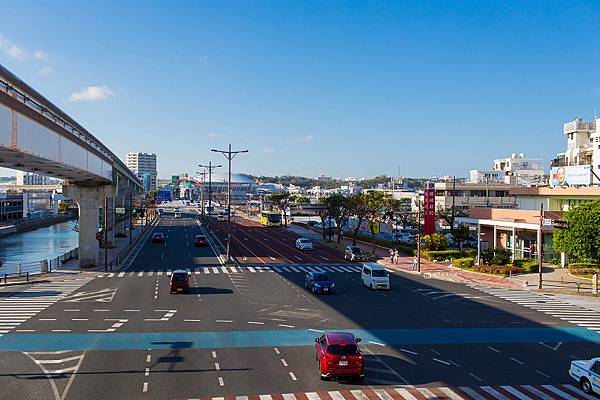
429, 212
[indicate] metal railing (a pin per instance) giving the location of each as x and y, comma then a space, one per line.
37, 267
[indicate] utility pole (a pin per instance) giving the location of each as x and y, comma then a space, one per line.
229, 155
203, 174
541, 244
419, 234
210, 168
130, 218
105, 233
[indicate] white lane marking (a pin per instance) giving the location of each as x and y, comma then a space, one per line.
451, 395
72, 310
276, 350
494, 393
145, 388
517, 361
285, 364
256, 323
217, 367
542, 374
61, 330
286, 326
122, 274
47, 319
315, 330
493, 349
376, 343
221, 383
192, 320
293, 376
132, 310
472, 375
409, 352
441, 361
214, 354
335, 395
225, 321
148, 358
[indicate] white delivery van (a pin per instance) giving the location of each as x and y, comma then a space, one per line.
375, 276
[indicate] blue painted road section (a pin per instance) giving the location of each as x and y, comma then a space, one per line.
282, 338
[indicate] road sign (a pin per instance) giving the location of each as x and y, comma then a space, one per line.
120, 210
547, 222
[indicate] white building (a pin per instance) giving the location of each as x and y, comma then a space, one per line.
142, 164
479, 176
30, 178
521, 170
583, 148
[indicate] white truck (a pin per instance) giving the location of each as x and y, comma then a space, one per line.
587, 374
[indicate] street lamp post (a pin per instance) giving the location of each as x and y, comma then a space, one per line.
203, 174
229, 155
210, 168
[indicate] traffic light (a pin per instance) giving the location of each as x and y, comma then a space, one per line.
133, 211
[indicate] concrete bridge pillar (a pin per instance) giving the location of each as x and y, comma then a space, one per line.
111, 222
89, 199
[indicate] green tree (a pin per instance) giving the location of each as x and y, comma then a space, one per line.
460, 234
377, 204
339, 209
450, 214
582, 239
281, 200
435, 241
360, 210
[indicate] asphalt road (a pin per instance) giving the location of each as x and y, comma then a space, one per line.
249, 330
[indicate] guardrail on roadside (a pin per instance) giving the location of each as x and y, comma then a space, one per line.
562, 284
37, 267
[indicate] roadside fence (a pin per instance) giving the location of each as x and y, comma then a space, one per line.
36, 267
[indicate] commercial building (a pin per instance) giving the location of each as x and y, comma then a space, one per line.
33, 179
144, 165
465, 195
579, 164
11, 207
240, 186
521, 170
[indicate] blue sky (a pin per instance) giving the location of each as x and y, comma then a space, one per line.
345, 88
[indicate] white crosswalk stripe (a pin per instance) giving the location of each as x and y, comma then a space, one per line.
546, 304
20, 307
243, 269
522, 392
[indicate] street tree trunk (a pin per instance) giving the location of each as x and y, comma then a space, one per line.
373, 241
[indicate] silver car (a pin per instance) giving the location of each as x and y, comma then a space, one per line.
353, 253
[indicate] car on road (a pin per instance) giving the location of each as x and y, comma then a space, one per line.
319, 282
179, 282
353, 253
303, 243
375, 276
587, 374
338, 356
158, 237
177, 215
200, 241
221, 217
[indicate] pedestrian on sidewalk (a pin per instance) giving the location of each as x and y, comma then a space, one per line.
414, 264
392, 256
395, 258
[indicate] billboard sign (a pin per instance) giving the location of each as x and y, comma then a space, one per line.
429, 212
570, 176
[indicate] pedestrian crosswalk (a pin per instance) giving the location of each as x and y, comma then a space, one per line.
549, 305
21, 306
290, 268
499, 392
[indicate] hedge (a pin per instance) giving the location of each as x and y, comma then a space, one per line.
466, 262
584, 268
442, 254
498, 269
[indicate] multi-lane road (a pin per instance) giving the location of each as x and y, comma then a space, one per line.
248, 329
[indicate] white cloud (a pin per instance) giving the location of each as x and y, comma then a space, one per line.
44, 71
307, 138
92, 93
212, 135
40, 55
18, 53
269, 150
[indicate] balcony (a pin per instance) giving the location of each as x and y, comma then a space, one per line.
579, 125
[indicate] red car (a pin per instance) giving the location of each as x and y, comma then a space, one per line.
338, 355
200, 240
179, 282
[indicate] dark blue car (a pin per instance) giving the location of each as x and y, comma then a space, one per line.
319, 282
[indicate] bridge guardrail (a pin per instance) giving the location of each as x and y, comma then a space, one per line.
37, 267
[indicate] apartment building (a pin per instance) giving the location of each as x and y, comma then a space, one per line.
465, 195
144, 165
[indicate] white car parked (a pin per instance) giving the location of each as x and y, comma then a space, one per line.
303, 243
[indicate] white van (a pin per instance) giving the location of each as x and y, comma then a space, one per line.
375, 276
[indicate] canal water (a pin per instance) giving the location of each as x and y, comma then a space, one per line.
40, 244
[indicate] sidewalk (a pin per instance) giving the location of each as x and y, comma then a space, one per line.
429, 269
120, 245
